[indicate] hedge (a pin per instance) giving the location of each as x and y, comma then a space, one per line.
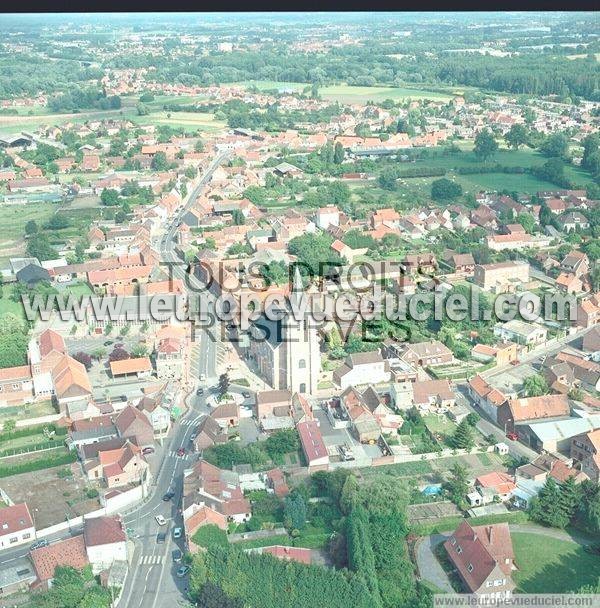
37, 465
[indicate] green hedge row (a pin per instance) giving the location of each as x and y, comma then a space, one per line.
37, 465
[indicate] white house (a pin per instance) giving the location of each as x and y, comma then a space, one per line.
362, 368
16, 526
105, 542
328, 216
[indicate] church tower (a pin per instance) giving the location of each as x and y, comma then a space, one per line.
300, 342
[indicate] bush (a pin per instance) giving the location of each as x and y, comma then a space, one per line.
210, 535
46, 462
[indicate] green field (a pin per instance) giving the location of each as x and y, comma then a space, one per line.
548, 565
190, 121
352, 94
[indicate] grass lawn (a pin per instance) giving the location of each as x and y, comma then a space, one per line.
352, 94
29, 410
402, 469
14, 217
548, 565
9, 306
78, 289
190, 121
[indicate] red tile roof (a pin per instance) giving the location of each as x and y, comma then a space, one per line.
69, 552
103, 531
15, 519
312, 440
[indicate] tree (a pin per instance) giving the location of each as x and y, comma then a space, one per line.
350, 495
547, 508
294, 511
84, 359
591, 147
314, 253
516, 136
223, 383
139, 350
31, 227
588, 510
527, 221
338, 153
118, 354
41, 248
282, 442
555, 145
535, 385
458, 485
473, 419
463, 436
212, 596
159, 162
485, 145
109, 197
238, 217
445, 190
9, 426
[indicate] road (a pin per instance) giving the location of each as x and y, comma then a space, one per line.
151, 581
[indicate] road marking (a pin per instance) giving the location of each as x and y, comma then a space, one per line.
152, 560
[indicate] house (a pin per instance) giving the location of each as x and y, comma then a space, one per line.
294, 554
227, 414
362, 368
484, 558
207, 485
574, 221
327, 216
433, 394
153, 407
424, 354
208, 433
17, 576
32, 274
556, 435
588, 311
69, 552
486, 396
16, 385
105, 542
547, 465
363, 422
587, 372
585, 449
91, 430
569, 283
521, 332
522, 411
170, 358
499, 485
576, 262
462, 263
16, 526
591, 343
116, 465
131, 423
272, 403
138, 367
275, 482
502, 353
501, 277
313, 446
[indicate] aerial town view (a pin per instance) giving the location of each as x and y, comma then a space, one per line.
299, 310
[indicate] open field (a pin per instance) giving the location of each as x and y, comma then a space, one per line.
352, 94
190, 121
548, 565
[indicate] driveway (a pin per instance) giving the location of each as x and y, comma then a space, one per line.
429, 567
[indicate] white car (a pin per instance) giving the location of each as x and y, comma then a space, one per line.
160, 520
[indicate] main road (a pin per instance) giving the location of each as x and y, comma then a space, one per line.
152, 581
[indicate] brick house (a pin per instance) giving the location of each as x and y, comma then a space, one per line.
586, 450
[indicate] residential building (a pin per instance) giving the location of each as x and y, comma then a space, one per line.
484, 558
70, 552
486, 397
313, 445
515, 412
16, 526
362, 368
105, 542
433, 394
585, 449
501, 277
170, 356
424, 354
521, 332
131, 423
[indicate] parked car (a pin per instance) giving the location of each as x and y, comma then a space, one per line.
202, 377
200, 391
161, 537
168, 496
108, 343
177, 533
181, 572
39, 544
148, 450
181, 452
246, 394
160, 520
512, 436
123, 397
177, 556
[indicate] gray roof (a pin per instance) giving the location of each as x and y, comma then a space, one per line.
19, 571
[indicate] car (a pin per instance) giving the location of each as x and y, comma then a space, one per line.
108, 343
512, 436
39, 544
168, 496
181, 452
160, 520
246, 394
200, 391
193, 436
177, 556
202, 376
148, 450
181, 572
177, 533
123, 397
161, 537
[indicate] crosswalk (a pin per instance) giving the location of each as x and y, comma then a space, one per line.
151, 560
187, 422
174, 454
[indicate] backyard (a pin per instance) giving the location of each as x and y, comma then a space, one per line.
549, 565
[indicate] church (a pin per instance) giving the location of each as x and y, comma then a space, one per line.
286, 350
